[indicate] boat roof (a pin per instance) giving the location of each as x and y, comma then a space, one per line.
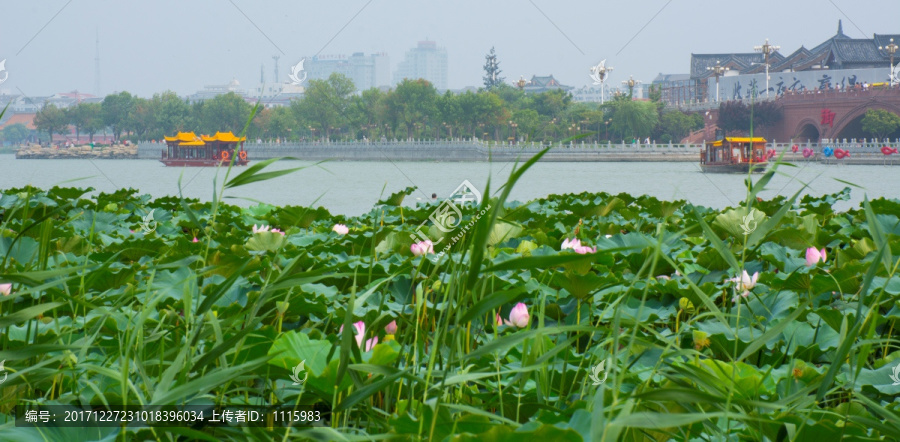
739, 140
191, 139
223, 137
184, 137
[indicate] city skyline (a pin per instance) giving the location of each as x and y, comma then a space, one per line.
52, 48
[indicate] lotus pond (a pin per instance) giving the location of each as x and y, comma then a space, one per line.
649, 329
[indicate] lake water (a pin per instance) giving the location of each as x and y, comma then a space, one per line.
352, 188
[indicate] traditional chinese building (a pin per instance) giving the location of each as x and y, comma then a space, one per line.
839, 60
540, 84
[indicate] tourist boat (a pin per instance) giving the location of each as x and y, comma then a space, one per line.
187, 149
734, 155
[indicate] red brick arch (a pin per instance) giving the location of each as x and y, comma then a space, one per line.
807, 122
842, 122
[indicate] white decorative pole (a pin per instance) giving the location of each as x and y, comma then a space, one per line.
599, 74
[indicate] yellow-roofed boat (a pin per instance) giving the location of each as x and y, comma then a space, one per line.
188, 149
734, 155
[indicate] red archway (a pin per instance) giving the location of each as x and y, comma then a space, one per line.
857, 112
807, 130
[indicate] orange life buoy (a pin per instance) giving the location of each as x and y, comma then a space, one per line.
224, 155
243, 154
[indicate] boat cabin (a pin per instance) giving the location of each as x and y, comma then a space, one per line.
733, 154
188, 149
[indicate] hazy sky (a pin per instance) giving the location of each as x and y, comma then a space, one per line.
152, 46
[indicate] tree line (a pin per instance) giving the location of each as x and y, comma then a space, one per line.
330, 109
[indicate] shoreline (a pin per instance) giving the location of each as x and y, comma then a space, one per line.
450, 152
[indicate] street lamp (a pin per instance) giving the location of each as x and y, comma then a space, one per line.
631, 83
891, 49
599, 74
522, 82
607, 128
514, 126
767, 49
718, 71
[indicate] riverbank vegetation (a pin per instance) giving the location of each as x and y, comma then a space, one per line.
571, 317
413, 109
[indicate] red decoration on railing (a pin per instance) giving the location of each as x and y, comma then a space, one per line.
827, 117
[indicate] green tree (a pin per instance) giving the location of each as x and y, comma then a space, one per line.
675, 125
143, 119
14, 133
52, 120
92, 114
223, 113
413, 104
173, 114
277, 122
366, 111
880, 122
586, 116
492, 71
528, 122
77, 117
483, 110
325, 102
552, 103
635, 119
733, 116
449, 111
117, 112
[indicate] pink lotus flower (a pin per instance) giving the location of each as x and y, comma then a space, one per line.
195, 239
575, 245
570, 244
813, 256
266, 229
391, 328
499, 320
518, 316
422, 248
744, 283
360, 332
370, 344
340, 229
6, 289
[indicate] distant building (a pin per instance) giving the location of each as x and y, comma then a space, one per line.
676, 89
838, 60
424, 61
275, 95
366, 71
589, 94
539, 84
213, 91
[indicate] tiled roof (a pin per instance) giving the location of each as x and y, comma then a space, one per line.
795, 58
699, 62
26, 119
856, 50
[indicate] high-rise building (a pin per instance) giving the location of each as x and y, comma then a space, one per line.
424, 61
366, 71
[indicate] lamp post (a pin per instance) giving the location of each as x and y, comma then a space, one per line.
891, 49
522, 82
631, 83
514, 126
718, 71
767, 49
607, 128
599, 74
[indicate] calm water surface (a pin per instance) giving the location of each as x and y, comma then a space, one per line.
352, 188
